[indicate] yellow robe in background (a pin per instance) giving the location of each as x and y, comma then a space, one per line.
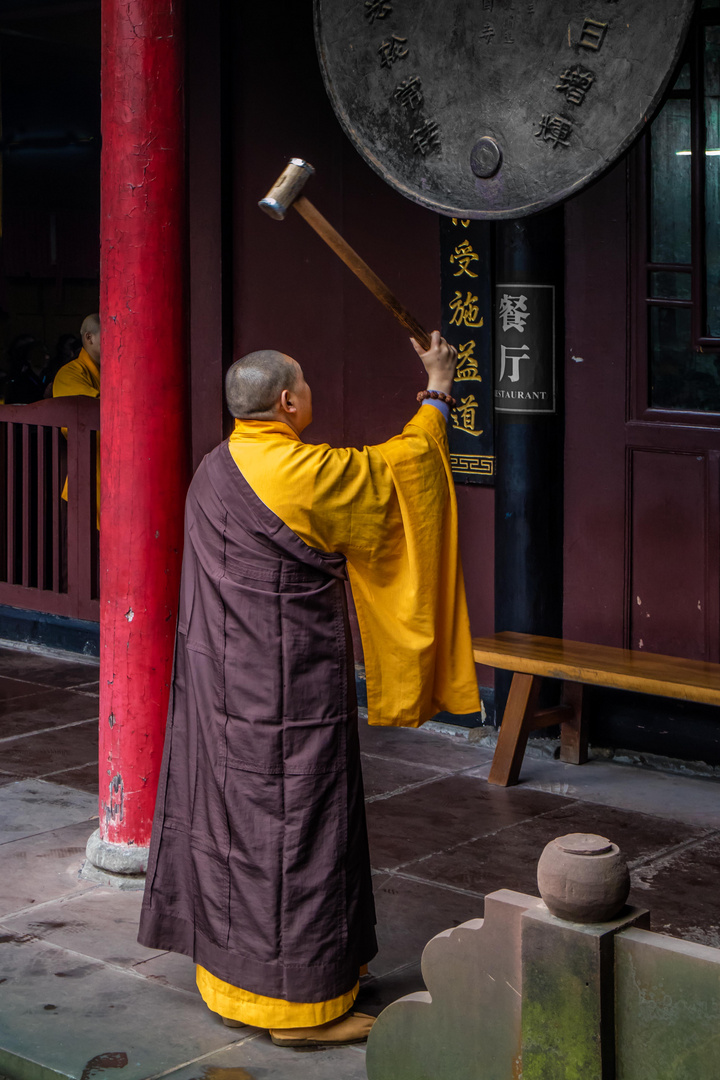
391, 510
80, 376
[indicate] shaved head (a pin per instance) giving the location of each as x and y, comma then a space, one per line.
254, 383
90, 336
90, 325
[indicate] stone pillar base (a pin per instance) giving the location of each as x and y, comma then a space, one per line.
116, 858
124, 882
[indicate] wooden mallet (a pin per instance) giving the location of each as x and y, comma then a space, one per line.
285, 193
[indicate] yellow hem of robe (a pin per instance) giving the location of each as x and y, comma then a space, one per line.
267, 1012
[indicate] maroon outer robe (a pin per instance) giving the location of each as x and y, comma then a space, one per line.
259, 866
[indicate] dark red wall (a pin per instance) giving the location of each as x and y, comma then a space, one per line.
596, 307
290, 291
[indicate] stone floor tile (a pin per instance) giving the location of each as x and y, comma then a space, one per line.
169, 969
382, 775
10, 689
28, 807
89, 688
256, 1058
52, 751
377, 994
101, 923
69, 1014
694, 800
43, 867
481, 772
409, 913
432, 818
454, 836
682, 892
45, 709
84, 778
47, 670
442, 752
510, 862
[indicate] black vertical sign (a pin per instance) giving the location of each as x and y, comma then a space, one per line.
525, 348
466, 291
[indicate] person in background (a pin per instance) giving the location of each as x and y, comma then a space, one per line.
82, 376
29, 380
14, 360
16, 352
67, 348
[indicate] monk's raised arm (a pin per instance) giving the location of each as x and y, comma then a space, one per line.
439, 361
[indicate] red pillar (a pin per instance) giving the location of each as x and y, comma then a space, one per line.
143, 410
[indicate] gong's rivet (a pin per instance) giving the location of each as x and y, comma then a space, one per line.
485, 157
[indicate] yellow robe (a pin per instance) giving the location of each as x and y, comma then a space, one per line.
80, 376
391, 510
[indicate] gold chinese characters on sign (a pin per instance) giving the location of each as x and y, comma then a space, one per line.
465, 312
463, 417
467, 367
467, 371
465, 254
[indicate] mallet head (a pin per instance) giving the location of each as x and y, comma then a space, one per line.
286, 188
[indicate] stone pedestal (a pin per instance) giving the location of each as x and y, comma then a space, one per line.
667, 1008
523, 993
468, 1024
120, 866
568, 1010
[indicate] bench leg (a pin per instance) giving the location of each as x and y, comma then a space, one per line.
515, 728
573, 732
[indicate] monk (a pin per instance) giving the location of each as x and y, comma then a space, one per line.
82, 376
259, 866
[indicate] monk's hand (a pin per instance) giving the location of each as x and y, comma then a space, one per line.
439, 362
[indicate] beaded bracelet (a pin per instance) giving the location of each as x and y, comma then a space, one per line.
437, 395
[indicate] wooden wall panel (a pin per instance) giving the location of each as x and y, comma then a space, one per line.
595, 402
288, 288
291, 292
669, 571
208, 350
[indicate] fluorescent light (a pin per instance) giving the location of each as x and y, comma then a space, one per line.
687, 153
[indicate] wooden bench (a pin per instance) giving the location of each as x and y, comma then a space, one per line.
533, 659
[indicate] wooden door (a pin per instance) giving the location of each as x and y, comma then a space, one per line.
642, 453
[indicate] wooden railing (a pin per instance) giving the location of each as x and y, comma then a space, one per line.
49, 548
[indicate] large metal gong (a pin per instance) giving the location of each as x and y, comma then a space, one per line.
495, 108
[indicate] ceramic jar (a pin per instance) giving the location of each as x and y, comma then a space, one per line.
583, 878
